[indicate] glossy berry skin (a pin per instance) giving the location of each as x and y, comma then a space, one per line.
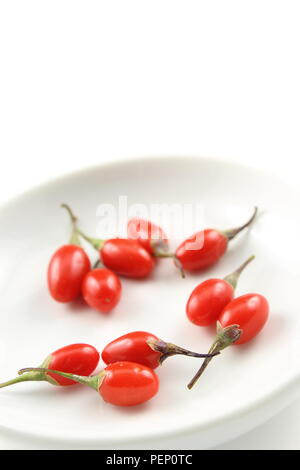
101, 289
127, 258
128, 384
213, 245
79, 359
147, 233
250, 312
208, 300
66, 271
132, 347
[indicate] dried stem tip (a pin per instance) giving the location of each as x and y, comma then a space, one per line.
170, 349
233, 278
231, 233
225, 337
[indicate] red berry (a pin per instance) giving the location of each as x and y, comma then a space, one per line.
121, 383
79, 359
207, 301
101, 289
212, 247
250, 312
209, 298
240, 321
124, 256
132, 347
128, 384
206, 247
144, 348
150, 235
127, 258
66, 271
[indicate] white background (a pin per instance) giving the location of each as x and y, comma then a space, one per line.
83, 82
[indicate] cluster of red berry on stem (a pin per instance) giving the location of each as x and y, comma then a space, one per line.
129, 378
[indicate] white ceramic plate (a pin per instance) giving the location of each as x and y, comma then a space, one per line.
239, 390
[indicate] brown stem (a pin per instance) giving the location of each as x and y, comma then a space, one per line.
98, 264
160, 248
231, 233
74, 240
233, 278
170, 349
96, 243
162, 254
224, 338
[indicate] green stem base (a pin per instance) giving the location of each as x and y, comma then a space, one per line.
93, 381
27, 377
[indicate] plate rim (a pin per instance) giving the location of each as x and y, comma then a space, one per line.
119, 161
224, 418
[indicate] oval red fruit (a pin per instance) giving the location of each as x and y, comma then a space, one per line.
207, 301
148, 234
101, 289
127, 258
250, 312
128, 384
132, 347
79, 359
201, 250
66, 271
